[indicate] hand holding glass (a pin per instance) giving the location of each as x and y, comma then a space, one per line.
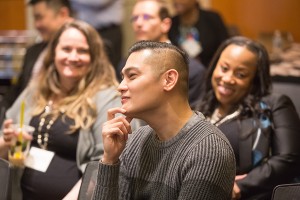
20, 144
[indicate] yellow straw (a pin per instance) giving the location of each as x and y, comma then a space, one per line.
21, 119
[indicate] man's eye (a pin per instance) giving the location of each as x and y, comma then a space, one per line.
134, 18
131, 76
147, 17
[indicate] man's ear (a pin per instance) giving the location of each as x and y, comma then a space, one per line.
170, 79
64, 12
166, 25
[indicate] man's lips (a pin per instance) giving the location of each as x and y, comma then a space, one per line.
124, 99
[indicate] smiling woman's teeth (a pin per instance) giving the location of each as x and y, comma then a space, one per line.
225, 91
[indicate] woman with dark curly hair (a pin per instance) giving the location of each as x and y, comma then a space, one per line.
262, 127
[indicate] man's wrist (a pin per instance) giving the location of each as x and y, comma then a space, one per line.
108, 161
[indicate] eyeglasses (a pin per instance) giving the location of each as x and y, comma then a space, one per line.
145, 17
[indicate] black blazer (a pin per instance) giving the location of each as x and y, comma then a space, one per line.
212, 32
14, 91
271, 157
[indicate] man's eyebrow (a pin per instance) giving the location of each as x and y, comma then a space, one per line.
125, 71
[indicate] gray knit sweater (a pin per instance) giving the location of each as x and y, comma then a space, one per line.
198, 163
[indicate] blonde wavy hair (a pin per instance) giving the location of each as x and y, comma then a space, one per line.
78, 104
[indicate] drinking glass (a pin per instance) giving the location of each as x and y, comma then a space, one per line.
20, 148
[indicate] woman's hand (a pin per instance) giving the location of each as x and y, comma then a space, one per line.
115, 134
10, 135
236, 192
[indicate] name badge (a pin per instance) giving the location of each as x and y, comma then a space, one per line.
39, 159
192, 47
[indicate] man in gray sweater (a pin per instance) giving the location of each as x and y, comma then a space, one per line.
178, 155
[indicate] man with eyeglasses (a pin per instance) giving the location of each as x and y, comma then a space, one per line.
151, 20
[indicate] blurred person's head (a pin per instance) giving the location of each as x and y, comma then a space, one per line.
240, 69
50, 15
155, 74
151, 20
75, 68
183, 7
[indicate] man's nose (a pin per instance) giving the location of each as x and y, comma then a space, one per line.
122, 86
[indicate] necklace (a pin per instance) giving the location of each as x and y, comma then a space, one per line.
43, 138
218, 119
216, 116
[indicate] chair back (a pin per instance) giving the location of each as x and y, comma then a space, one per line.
286, 191
5, 179
89, 179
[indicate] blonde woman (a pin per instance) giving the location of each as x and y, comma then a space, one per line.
67, 105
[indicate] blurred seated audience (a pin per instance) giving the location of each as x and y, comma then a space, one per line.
262, 127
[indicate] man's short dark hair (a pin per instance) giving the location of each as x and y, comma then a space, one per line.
163, 11
54, 4
145, 44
